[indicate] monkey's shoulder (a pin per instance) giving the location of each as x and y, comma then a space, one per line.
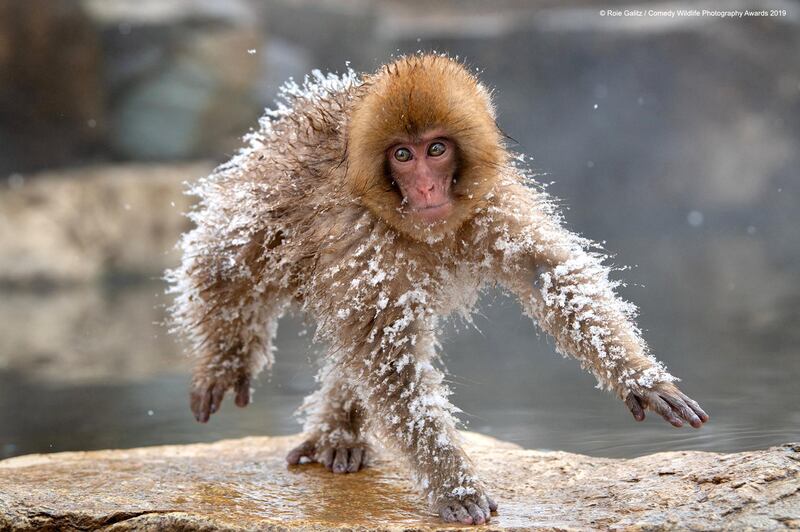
318, 107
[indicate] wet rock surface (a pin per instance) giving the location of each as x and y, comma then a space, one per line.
245, 484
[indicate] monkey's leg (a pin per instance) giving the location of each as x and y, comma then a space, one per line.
335, 427
408, 408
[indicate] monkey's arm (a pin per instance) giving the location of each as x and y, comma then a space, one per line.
227, 300
567, 290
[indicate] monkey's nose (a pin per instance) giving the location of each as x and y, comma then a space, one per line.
425, 190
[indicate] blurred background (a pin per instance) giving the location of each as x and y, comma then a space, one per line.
672, 140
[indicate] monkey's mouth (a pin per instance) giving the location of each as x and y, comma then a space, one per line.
433, 213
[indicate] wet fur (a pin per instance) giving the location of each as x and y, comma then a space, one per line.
307, 216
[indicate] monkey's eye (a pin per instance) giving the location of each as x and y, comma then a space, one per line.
436, 149
402, 154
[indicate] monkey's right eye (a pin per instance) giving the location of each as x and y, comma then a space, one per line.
402, 154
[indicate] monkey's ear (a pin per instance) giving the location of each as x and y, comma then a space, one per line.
412, 95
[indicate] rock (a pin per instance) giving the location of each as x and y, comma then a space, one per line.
245, 485
80, 224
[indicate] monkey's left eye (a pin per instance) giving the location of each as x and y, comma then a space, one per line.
436, 149
402, 154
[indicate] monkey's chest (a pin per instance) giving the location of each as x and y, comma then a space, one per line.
378, 282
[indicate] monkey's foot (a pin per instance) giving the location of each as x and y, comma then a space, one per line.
468, 510
338, 458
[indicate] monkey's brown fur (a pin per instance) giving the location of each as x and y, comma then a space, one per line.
408, 98
307, 216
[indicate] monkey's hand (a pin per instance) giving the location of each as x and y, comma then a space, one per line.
342, 457
207, 393
667, 400
475, 509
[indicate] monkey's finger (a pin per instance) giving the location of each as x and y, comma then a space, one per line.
655, 402
242, 390
217, 393
694, 406
678, 405
635, 407
340, 460
484, 505
455, 513
203, 405
492, 504
305, 449
326, 458
448, 514
475, 513
194, 404
356, 457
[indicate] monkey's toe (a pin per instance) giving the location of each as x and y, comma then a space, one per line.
467, 511
304, 450
344, 459
339, 459
358, 458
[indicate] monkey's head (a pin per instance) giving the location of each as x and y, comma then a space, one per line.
423, 146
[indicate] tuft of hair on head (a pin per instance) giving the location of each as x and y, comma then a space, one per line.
406, 98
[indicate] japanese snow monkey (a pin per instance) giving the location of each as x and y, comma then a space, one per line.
378, 204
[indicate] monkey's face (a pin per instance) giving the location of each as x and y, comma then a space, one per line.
423, 149
423, 170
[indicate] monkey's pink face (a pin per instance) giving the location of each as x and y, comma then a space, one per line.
423, 169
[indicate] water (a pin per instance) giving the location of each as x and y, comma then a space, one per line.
90, 368
685, 160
